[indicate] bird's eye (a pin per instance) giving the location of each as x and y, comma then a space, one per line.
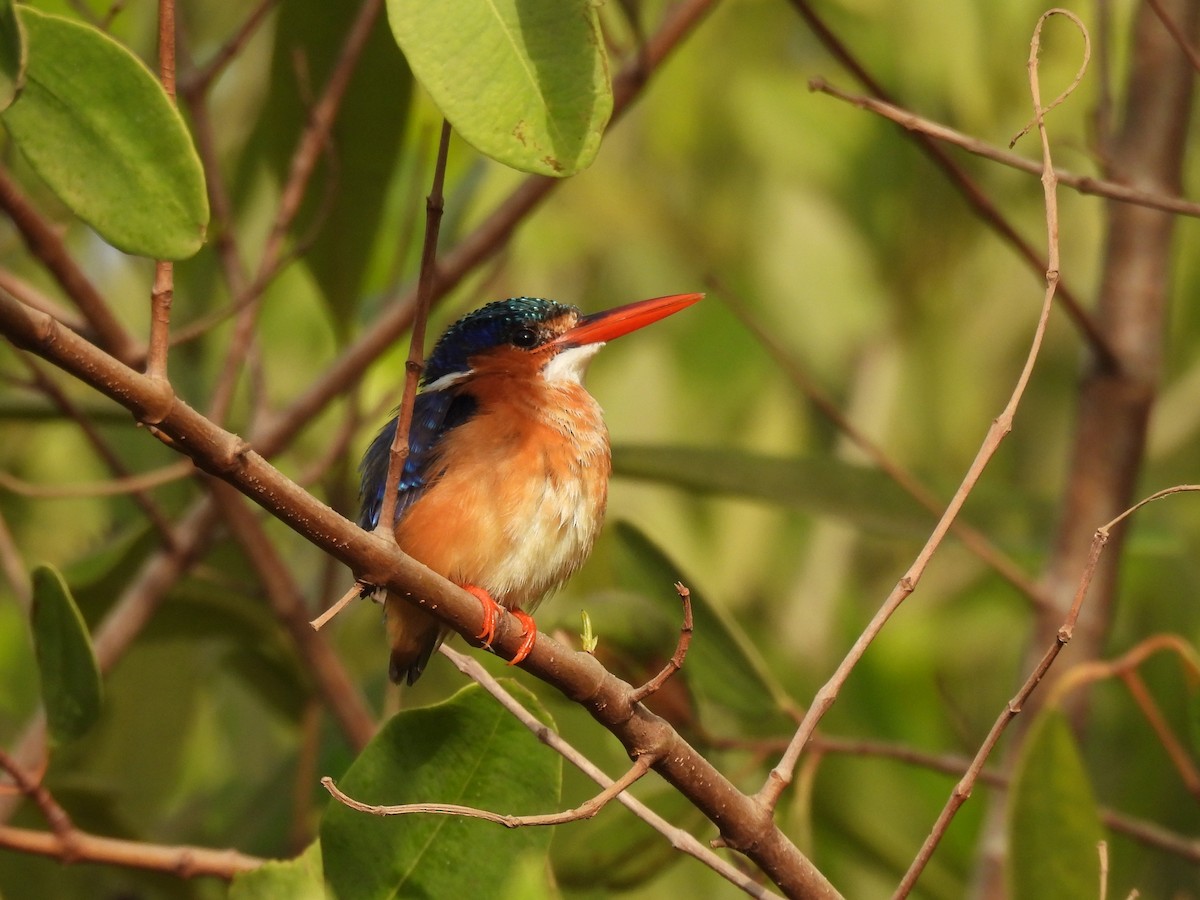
525, 338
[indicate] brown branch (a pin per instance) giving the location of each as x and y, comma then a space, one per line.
31, 296
745, 824
675, 663
1065, 632
338, 691
163, 293
1178, 34
584, 811
126, 484
14, 567
199, 81
1114, 404
56, 817
416, 345
1148, 833
1049, 188
44, 383
357, 592
973, 539
781, 775
304, 160
1084, 184
45, 244
976, 199
182, 861
70, 845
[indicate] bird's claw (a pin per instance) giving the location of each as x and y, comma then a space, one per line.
490, 607
491, 615
528, 635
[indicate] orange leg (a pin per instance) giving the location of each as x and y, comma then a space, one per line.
528, 634
490, 610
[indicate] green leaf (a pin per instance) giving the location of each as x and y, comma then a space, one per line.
865, 497
722, 667
12, 55
98, 128
467, 750
345, 213
291, 879
66, 663
525, 82
1053, 824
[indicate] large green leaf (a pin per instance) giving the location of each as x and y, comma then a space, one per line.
525, 82
12, 54
863, 496
98, 128
66, 663
291, 879
467, 750
1053, 824
342, 211
722, 668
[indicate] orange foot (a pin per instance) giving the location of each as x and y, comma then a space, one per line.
528, 634
491, 610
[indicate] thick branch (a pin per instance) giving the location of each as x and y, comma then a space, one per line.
744, 823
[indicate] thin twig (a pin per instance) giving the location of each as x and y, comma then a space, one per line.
358, 591
1049, 188
336, 688
15, 569
584, 811
434, 205
199, 81
781, 775
100, 444
973, 539
181, 861
163, 293
32, 296
46, 244
114, 487
1084, 184
304, 160
679, 839
56, 817
976, 199
1180, 36
675, 663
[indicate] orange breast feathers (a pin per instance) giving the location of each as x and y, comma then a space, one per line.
520, 492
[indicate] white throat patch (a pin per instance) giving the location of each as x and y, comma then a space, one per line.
569, 365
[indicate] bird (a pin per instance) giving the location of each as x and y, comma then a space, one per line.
504, 488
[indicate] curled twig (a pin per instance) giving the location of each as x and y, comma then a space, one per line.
675, 663
584, 811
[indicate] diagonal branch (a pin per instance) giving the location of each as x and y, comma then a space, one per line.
745, 824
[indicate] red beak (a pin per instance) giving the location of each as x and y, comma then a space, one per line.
612, 323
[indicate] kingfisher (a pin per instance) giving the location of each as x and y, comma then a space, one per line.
505, 484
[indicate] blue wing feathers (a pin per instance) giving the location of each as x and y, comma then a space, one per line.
434, 414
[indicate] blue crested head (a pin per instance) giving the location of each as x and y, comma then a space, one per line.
516, 322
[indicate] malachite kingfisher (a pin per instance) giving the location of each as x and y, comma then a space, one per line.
504, 488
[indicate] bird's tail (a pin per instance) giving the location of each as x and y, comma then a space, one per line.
413, 635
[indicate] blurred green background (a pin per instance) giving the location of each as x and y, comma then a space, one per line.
821, 224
